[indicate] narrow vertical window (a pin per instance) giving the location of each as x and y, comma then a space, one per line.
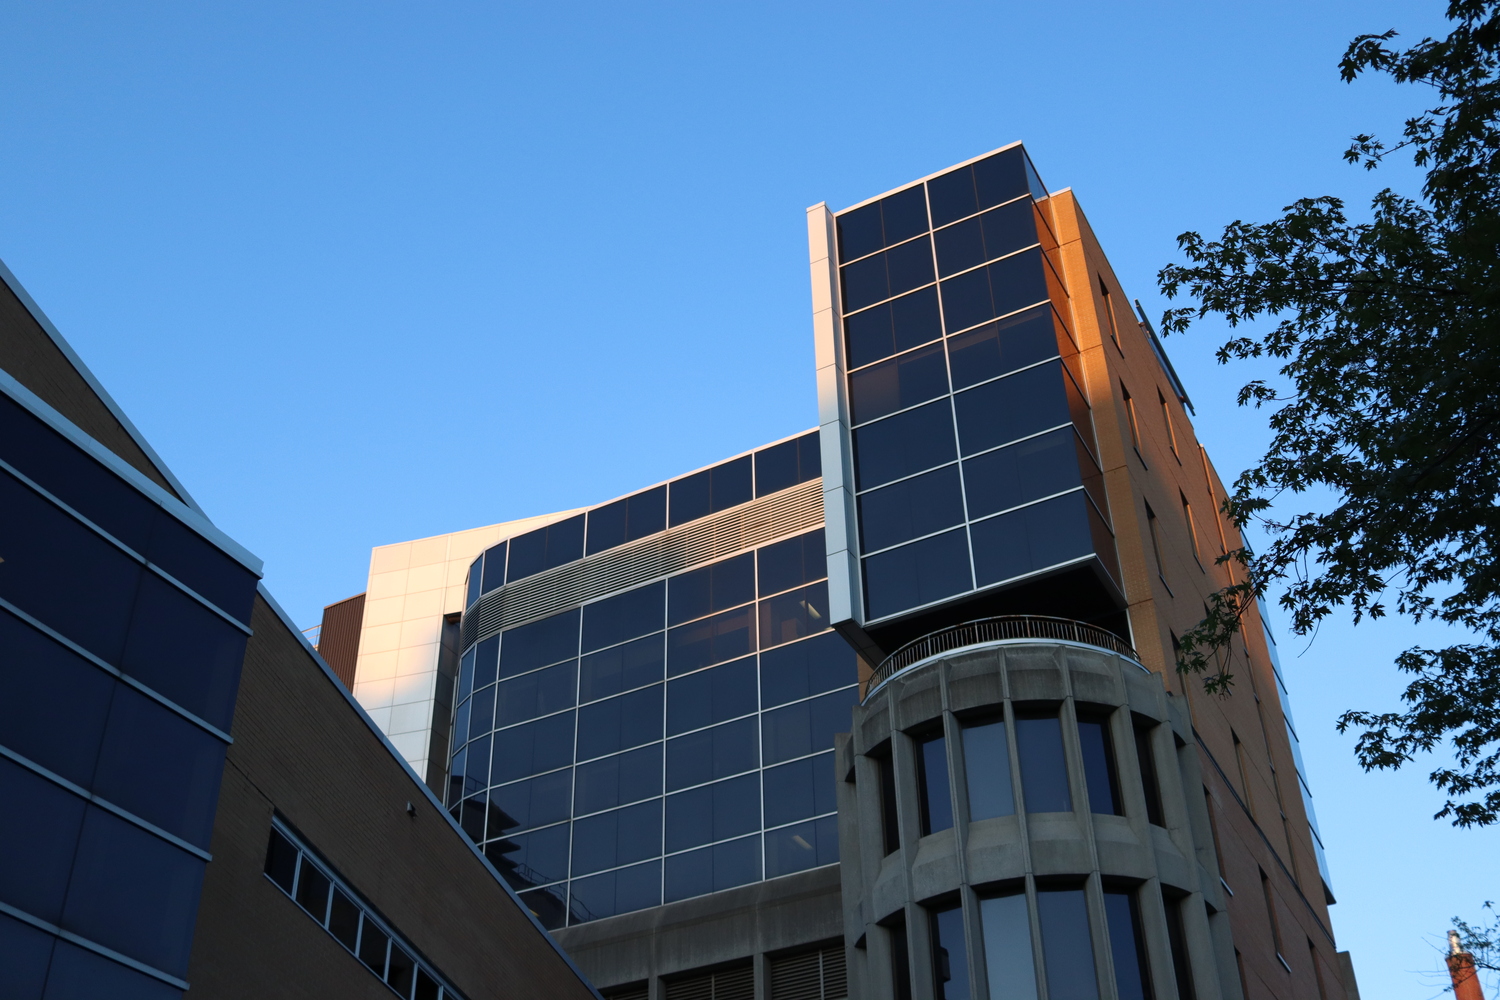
1099, 773
1213, 500
1192, 527
890, 829
1145, 758
1044, 771
950, 957
1312, 955
1132, 422
1182, 971
1007, 947
1155, 532
1213, 829
1127, 945
932, 776
1270, 897
1166, 417
1243, 766
987, 770
1067, 949
1109, 314
900, 959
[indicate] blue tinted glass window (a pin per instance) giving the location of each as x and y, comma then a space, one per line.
1127, 946
1044, 772
896, 326
1045, 534
185, 554
133, 892
901, 382
987, 770
798, 848
1005, 345
477, 771
617, 838
628, 519
805, 727
482, 712
159, 766
916, 574
529, 859
995, 233
494, 567
52, 702
799, 790
952, 196
185, 651
545, 548
787, 464
476, 575
80, 974
713, 812
624, 616
710, 754
792, 563
1099, 775
621, 668
622, 891
712, 588
550, 640
619, 723
910, 509
615, 781
1012, 407
932, 784
820, 664
712, 869
538, 746
530, 803
712, 490
860, 232
710, 696
551, 909
37, 840
890, 220
994, 290
64, 574
1007, 946
1022, 472
950, 955
900, 269
540, 692
1004, 176
904, 444
710, 640
471, 817
794, 615
27, 952
465, 676
1067, 954
486, 662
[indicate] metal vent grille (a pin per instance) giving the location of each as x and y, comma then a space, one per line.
811, 975
726, 984
632, 991
789, 512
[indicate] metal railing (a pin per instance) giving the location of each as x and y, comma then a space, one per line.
995, 630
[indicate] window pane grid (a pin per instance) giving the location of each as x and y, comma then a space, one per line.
784, 598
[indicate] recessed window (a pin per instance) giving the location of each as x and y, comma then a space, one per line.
1007, 947
1067, 948
889, 825
1166, 416
1044, 770
987, 770
1127, 945
1182, 969
932, 784
950, 955
1099, 772
1145, 756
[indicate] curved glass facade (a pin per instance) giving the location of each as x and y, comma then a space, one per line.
664, 741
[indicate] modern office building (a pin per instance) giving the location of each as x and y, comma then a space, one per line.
192, 801
888, 709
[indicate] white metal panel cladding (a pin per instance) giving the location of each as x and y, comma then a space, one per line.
790, 512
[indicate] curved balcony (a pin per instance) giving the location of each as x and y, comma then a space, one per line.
989, 630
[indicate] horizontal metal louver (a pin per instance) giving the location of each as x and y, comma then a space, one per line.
634, 991
789, 512
726, 984
810, 975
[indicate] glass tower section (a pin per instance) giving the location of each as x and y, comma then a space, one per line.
666, 739
971, 439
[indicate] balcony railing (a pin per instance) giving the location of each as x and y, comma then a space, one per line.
987, 630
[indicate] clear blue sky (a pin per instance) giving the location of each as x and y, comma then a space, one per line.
365, 272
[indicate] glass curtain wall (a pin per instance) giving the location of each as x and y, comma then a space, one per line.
974, 451
664, 742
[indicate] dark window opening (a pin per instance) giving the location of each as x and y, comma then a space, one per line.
933, 786
1145, 756
1044, 770
950, 955
987, 770
1099, 772
1127, 945
1182, 969
889, 826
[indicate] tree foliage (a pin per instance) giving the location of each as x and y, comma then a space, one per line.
1386, 331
